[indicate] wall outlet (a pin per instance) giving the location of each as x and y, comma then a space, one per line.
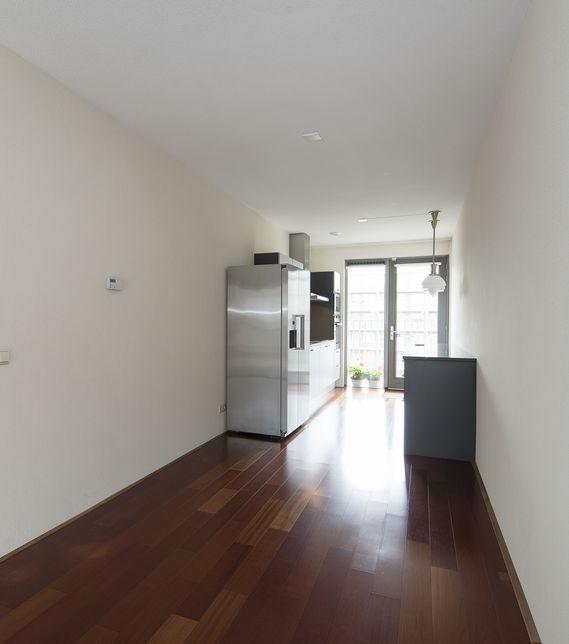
222, 408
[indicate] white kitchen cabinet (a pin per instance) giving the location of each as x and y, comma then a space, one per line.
324, 371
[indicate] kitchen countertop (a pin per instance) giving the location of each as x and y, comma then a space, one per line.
314, 342
444, 352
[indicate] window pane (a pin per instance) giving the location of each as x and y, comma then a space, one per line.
416, 314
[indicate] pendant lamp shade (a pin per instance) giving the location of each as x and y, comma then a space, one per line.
434, 284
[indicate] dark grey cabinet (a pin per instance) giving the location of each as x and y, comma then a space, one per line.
440, 407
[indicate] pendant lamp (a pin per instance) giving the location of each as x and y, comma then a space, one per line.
434, 283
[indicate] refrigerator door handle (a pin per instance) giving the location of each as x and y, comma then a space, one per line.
302, 343
299, 332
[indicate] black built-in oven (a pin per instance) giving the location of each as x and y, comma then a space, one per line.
325, 307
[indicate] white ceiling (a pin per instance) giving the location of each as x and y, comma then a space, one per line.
400, 90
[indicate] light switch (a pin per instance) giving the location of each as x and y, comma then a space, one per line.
4, 356
114, 283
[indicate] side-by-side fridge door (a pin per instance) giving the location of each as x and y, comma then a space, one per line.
254, 349
296, 293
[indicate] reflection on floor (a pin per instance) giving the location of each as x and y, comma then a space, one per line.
393, 394
329, 537
388, 394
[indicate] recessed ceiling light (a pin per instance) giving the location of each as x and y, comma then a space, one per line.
362, 220
312, 137
335, 233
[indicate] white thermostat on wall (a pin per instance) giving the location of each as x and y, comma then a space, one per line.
114, 283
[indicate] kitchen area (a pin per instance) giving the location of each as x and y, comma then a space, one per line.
284, 345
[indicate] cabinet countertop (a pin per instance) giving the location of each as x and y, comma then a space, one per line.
444, 352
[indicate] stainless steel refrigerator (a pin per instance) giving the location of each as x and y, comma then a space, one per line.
268, 348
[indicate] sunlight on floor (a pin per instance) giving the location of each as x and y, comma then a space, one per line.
361, 434
372, 455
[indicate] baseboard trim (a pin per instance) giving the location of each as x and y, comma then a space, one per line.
515, 581
59, 526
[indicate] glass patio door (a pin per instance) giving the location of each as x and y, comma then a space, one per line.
365, 333
417, 321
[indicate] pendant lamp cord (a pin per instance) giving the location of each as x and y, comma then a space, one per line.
434, 221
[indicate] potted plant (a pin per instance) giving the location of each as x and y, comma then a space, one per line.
357, 375
374, 378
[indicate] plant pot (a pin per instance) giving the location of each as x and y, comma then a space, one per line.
360, 382
375, 384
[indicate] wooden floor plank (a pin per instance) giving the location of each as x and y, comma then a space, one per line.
142, 597
321, 536
158, 525
352, 520
205, 592
32, 569
270, 459
418, 521
77, 576
249, 572
370, 537
448, 608
383, 619
153, 608
207, 478
211, 552
250, 510
416, 603
98, 635
246, 462
443, 554
218, 618
266, 616
218, 500
174, 630
72, 615
318, 616
26, 612
276, 599
389, 568
349, 623
293, 507
261, 522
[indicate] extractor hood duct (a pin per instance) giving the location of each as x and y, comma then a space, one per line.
299, 248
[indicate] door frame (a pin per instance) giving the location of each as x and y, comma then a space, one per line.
345, 311
389, 379
392, 381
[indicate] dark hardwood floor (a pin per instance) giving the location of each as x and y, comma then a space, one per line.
329, 537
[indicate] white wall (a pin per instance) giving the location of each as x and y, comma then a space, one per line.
511, 309
104, 387
333, 258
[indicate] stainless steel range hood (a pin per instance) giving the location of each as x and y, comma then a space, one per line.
299, 248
